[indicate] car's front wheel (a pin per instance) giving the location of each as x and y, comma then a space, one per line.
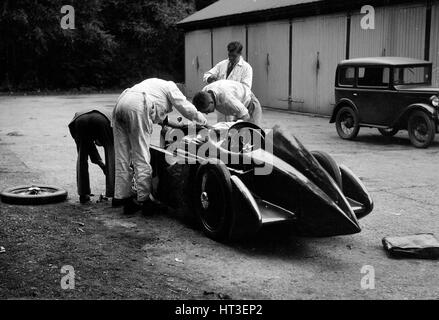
347, 123
421, 129
213, 204
389, 132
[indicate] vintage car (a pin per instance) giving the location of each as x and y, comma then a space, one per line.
242, 178
387, 93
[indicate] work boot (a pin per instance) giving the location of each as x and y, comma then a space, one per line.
131, 206
84, 199
118, 202
150, 207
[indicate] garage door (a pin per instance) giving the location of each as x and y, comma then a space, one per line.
197, 59
319, 43
269, 57
370, 42
222, 37
399, 31
434, 47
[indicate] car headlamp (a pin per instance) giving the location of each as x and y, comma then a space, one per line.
435, 101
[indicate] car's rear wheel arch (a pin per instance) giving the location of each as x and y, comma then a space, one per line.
347, 122
341, 104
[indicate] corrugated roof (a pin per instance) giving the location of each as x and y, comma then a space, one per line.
236, 12
223, 8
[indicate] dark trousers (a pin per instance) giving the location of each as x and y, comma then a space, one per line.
89, 128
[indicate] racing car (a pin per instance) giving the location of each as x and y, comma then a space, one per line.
242, 178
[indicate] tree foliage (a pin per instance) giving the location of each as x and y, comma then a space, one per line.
115, 44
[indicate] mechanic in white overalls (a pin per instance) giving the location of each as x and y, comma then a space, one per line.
231, 99
137, 109
234, 68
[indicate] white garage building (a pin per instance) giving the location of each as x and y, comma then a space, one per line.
295, 45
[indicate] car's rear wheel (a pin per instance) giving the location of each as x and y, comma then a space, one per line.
421, 129
389, 132
213, 194
330, 165
347, 123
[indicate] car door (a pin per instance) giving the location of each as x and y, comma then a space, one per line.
373, 95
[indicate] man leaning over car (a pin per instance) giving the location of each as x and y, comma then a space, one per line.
137, 109
229, 98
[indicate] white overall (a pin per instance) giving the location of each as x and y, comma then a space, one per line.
132, 129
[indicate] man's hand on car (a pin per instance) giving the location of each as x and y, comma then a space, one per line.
212, 79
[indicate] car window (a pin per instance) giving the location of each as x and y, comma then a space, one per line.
411, 75
346, 76
373, 76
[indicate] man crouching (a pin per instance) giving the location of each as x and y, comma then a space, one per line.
90, 128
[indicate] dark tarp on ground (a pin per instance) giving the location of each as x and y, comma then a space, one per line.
423, 246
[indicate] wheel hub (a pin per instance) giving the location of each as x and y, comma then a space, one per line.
349, 123
204, 200
421, 129
34, 190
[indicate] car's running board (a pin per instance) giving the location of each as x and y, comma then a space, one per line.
272, 213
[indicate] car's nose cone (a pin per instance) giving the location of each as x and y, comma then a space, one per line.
325, 209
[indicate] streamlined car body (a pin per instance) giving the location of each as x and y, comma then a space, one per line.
242, 178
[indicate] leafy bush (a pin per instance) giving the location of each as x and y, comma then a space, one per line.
116, 43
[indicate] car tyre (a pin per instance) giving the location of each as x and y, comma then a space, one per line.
213, 199
330, 165
33, 195
421, 129
390, 132
347, 123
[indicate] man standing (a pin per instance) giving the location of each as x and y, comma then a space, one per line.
229, 98
137, 109
234, 68
90, 128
